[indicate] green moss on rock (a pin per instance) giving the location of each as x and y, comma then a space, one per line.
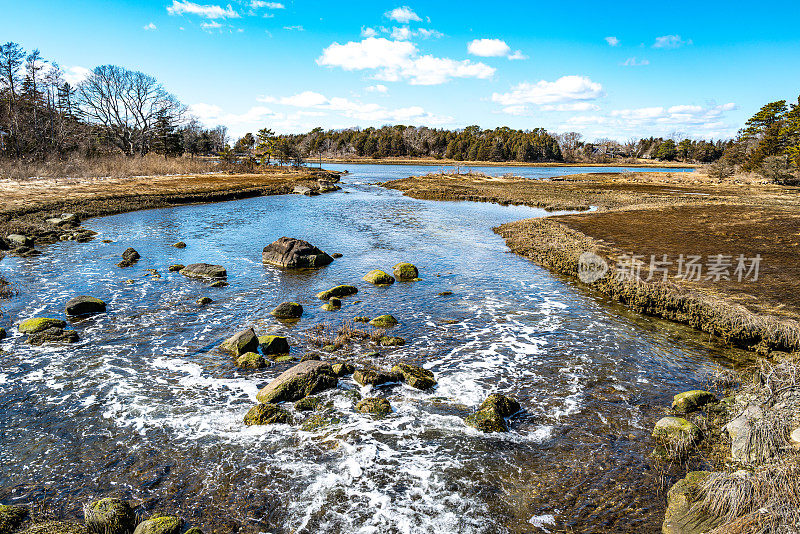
57, 527
109, 516
338, 291
39, 324
377, 406
299, 381
690, 401
333, 304
267, 414
241, 342
307, 404
676, 434
160, 525
287, 310
378, 277
384, 321
415, 376
405, 272
487, 421
319, 421
374, 377
251, 360
273, 344
343, 368
392, 341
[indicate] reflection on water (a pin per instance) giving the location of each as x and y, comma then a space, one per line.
145, 405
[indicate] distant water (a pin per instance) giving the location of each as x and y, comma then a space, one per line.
146, 407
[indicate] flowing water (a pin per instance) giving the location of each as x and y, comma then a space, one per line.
145, 406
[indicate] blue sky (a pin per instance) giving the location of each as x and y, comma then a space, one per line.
617, 69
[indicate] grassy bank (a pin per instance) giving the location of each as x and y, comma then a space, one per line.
461, 163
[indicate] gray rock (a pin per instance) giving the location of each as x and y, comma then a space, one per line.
299, 381
241, 342
739, 430
293, 253
685, 511
287, 310
85, 305
53, 335
18, 240
129, 257
204, 270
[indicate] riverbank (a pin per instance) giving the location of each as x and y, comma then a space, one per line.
460, 163
27, 204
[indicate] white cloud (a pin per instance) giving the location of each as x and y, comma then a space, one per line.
670, 41
488, 48
427, 34
518, 55
634, 62
403, 33
583, 120
403, 15
149, 27
368, 32
575, 106
395, 60
211, 114
378, 88
75, 75
612, 41
296, 28
256, 4
567, 89
212, 25
207, 11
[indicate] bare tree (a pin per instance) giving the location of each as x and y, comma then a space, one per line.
127, 105
11, 57
569, 143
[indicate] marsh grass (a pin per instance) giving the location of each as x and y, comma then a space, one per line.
347, 333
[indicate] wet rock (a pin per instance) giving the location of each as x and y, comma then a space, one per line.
685, 511
415, 376
492, 413
392, 341
307, 404
336, 255
109, 516
204, 301
691, 401
251, 360
299, 381
85, 305
267, 414
11, 517
326, 186
3, 333
338, 292
284, 358
376, 406
176, 268
384, 321
293, 253
273, 344
343, 368
179, 244
57, 527
405, 272
66, 219
445, 293
375, 377
333, 304
219, 283
310, 356
204, 270
378, 277
160, 525
19, 240
676, 434
193, 530
740, 430
38, 324
287, 310
361, 319
241, 342
53, 335
320, 421
129, 257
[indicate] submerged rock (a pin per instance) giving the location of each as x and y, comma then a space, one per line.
303, 379
392, 341
293, 253
319, 421
415, 376
676, 435
375, 377
338, 292
38, 324
307, 404
267, 414
273, 344
179, 244
85, 305
176, 268
376, 406
378, 277
53, 335
110, 516
384, 321
287, 310
129, 257
58, 527
333, 304
204, 270
491, 414
204, 301
11, 517
690, 401
241, 342
685, 511
251, 360
343, 368
405, 272
160, 525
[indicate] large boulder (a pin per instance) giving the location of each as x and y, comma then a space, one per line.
267, 414
110, 516
18, 240
303, 379
241, 342
743, 448
273, 344
691, 401
85, 305
160, 525
685, 511
492, 413
376, 406
378, 278
375, 377
11, 517
39, 324
338, 292
53, 335
405, 272
676, 435
416, 376
384, 321
251, 360
293, 253
204, 270
287, 310
129, 257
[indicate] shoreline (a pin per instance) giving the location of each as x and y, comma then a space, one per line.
454, 163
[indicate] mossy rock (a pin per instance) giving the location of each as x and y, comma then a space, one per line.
11, 517
378, 277
310, 356
333, 304
39, 324
361, 319
377, 406
384, 321
267, 414
676, 434
53, 335
690, 401
84, 305
58, 527
160, 525
179, 244
251, 360
685, 512
487, 420
375, 377
318, 421
110, 516
193, 530
415, 376
176, 267
287, 310
445, 293
504, 406
343, 368
273, 344
241, 342
219, 283
299, 381
308, 404
338, 291
392, 341
285, 358
405, 272
204, 301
